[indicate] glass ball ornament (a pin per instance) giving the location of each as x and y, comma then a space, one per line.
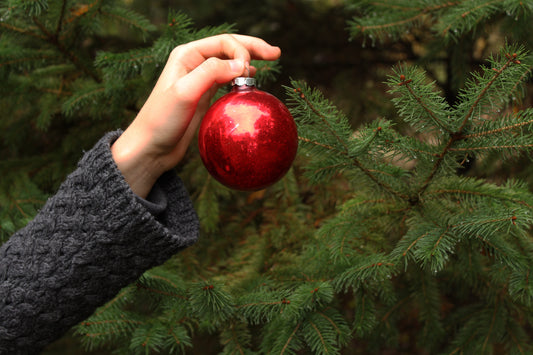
247, 139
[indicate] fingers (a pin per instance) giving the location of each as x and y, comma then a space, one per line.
258, 48
226, 46
218, 59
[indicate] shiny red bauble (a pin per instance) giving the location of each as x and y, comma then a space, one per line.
247, 139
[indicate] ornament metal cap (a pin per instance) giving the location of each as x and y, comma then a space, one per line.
241, 80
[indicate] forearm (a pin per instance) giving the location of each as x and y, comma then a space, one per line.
89, 240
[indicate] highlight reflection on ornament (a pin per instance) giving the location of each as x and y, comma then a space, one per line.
248, 139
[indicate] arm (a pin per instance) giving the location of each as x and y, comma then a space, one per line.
95, 236
91, 239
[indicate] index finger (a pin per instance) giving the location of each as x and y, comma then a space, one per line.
226, 46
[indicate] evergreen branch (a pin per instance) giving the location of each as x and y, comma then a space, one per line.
110, 332
130, 18
324, 120
459, 134
391, 24
419, 102
335, 326
286, 346
497, 130
174, 336
522, 78
346, 151
115, 299
283, 301
387, 5
76, 99
490, 221
307, 140
161, 292
53, 39
406, 82
466, 13
61, 16
439, 240
112, 321
414, 242
22, 60
319, 333
21, 30
487, 337
129, 58
417, 14
235, 340
393, 309
516, 343
423, 11
491, 245
82, 10
497, 74
495, 147
476, 193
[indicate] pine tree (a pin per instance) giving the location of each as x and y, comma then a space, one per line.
375, 240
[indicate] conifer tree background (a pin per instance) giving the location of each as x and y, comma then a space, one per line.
402, 231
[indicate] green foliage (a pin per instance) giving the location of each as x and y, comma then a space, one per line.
447, 19
448, 38
449, 238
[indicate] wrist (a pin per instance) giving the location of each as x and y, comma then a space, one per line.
140, 167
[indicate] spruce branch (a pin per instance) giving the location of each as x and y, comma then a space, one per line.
421, 102
340, 138
81, 11
83, 98
324, 120
235, 339
393, 16
53, 39
288, 344
511, 58
117, 301
487, 84
468, 14
23, 31
418, 102
129, 17
61, 17
499, 130
516, 147
466, 189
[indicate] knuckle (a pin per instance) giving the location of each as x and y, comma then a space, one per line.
176, 52
210, 65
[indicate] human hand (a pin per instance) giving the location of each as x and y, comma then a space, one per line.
159, 136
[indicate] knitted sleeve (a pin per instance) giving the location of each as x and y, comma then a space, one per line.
89, 240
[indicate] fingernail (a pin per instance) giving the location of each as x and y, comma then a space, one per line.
236, 65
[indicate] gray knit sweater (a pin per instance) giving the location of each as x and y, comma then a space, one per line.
92, 238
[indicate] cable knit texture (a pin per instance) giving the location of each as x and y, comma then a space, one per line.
91, 239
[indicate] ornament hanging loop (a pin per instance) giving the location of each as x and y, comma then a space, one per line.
243, 81
247, 69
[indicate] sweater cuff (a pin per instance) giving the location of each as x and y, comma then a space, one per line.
156, 201
168, 201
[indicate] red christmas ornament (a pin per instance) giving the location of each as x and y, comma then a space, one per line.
247, 139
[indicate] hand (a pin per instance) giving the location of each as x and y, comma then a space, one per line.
159, 136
